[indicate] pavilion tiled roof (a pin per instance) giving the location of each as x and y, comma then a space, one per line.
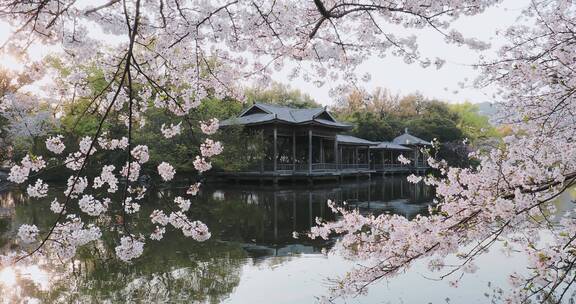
408, 139
353, 140
265, 113
390, 146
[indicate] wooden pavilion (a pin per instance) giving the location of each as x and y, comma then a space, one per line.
307, 144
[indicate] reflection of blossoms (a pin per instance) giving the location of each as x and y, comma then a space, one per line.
129, 248
166, 171
38, 190
28, 233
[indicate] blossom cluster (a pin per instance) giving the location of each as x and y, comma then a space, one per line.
201, 164
71, 234
403, 160
19, 173
140, 153
211, 148
76, 186
93, 207
166, 171
107, 177
112, 144
414, 179
210, 127
55, 144
28, 233
129, 248
38, 190
171, 131
182, 203
131, 171
193, 189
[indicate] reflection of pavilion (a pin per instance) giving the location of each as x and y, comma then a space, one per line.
295, 209
7, 204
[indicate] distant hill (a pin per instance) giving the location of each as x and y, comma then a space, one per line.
489, 110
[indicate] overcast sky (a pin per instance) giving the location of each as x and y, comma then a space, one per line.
392, 73
399, 77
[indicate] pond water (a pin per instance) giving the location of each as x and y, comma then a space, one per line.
251, 257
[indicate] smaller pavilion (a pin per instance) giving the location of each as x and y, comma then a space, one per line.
414, 143
385, 157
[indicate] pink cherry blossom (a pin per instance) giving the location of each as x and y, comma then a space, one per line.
166, 171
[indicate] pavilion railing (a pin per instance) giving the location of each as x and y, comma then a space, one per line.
304, 167
389, 166
285, 167
324, 167
354, 166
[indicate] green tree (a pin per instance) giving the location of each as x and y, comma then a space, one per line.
281, 94
473, 125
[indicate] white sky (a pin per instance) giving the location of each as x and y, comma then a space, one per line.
392, 73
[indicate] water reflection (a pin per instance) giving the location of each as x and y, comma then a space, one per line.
250, 225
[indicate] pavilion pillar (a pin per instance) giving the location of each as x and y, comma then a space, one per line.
275, 217
368, 156
275, 147
383, 159
310, 151
415, 157
321, 150
263, 156
336, 156
294, 149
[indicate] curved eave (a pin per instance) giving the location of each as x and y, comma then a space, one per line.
280, 121
390, 148
317, 123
